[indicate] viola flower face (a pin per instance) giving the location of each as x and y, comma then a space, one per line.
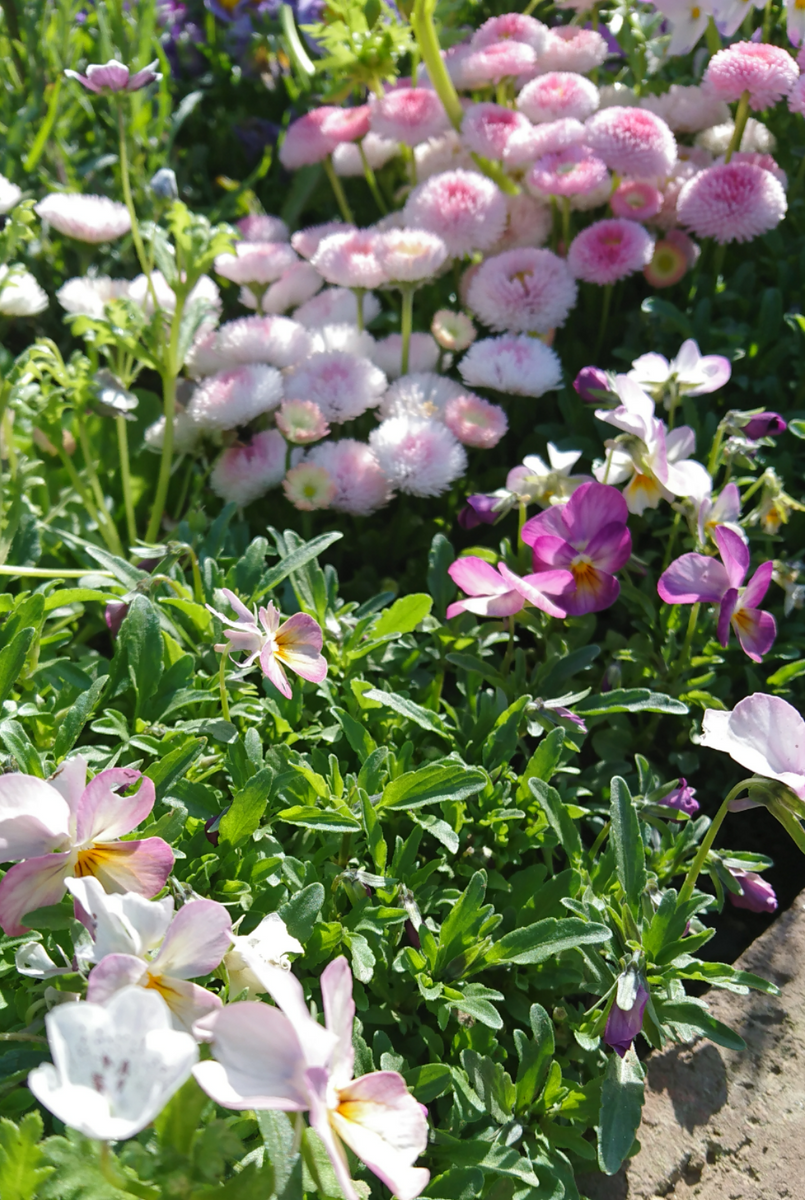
546, 483
296, 643
691, 372
764, 734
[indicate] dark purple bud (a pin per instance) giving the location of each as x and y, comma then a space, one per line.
765, 424
757, 895
623, 1025
613, 677
212, 826
682, 797
592, 385
479, 510
411, 934
567, 715
114, 615
148, 564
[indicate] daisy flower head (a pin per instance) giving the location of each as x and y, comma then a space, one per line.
301, 422
511, 27
718, 138
554, 136
336, 306
9, 195
673, 257
475, 422
410, 255
453, 330
529, 223
517, 364
377, 150
487, 129
491, 64
347, 124
571, 48
526, 291
88, 295
766, 72
408, 115
295, 285
467, 211
420, 394
418, 457
262, 227
203, 357
234, 398
279, 341
632, 141
186, 433
350, 260
569, 172
256, 262
307, 241
796, 99
306, 141
93, 219
609, 250
20, 294
732, 202
440, 154
361, 486
423, 354
687, 109
636, 200
343, 337
760, 160
558, 94
343, 386
244, 472
309, 487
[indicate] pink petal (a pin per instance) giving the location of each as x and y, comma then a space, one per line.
32, 884
274, 672
339, 1014
688, 478
734, 553
244, 613
725, 612
285, 989
548, 523
476, 577
492, 606
757, 586
595, 591
611, 547
103, 815
187, 1001
756, 631
140, 866
591, 507
269, 617
69, 780
112, 75
550, 550
113, 972
259, 1060
384, 1125
34, 818
298, 645
693, 578
198, 938
537, 589
680, 443
763, 733
319, 1117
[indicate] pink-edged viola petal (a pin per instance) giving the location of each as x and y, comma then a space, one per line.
298, 645
387, 1128
611, 547
274, 672
316, 1079
198, 938
757, 586
34, 818
141, 866
756, 631
188, 1002
259, 1060
69, 780
693, 578
505, 605
765, 734
477, 577
725, 613
550, 550
734, 554
318, 1043
29, 885
339, 1013
104, 815
545, 590
113, 972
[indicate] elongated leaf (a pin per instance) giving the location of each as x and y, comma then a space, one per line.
76, 718
432, 784
630, 856
141, 635
567, 667
12, 660
330, 820
356, 734
297, 558
559, 818
629, 700
543, 761
17, 743
621, 1110
174, 766
535, 1056
535, 943
423, 717
248, 806
76, 596
686, 1012
301, 912
404, 615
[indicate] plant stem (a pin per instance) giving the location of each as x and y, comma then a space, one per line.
599, 841
684, 656
105, 523
359, 294
369, 176
222, 686
566, 223
129, 202
715, 450
602, 329
169, 397
23, 1037
53, 572
686, 890
741, 117
406, 324
338, 191
431, 53
125, 478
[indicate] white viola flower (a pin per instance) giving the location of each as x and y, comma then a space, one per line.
546, 483
688, 20
115, 1065
418, 457
88, 295
266, 946
124, 923
724, 510
691, 373
32, 959
336, 306
93, 219
423, 354
20, 294
765, 734
9, 195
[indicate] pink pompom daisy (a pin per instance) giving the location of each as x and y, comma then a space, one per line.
336, 306
307, 241
295, 285
361, 486
410, 255
301, 422
262, 227
609, 250
488, 129
418, 457
408, 115
569, 173
687, 109
93, 219
466, 210
271, 339
514, 27
421, 394
88, 295
256, 262
347, 124
305, 139
309, 487
244, 472
453, 330
632, 141
558, 94
529, 223
234, 398
423, 354
343, 386
444, 153
551, 138
796, 97
524, 290
350, 260
635, 199
492, 64
766, 72
475, 422
732, 202
520, 365
759, 160
571, 48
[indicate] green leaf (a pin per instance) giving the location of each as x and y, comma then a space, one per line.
535, 1056
174, 766
64, 596
278, 1137
629, 700
429, 1082
501, 743
356, 734
74, 720
329, 820
538, 942
445, 780
21, 1172
790, 671
440, 584
248, 806
543, 761
179, 1120
458, 1183
12, 660
78, 1173
20, 746
404, 615
301, 912
479, 1008
568, 666
491, 1083
688, 1012
559, 818
298, 558
621, 1110
630, 855
141, 636
425, 718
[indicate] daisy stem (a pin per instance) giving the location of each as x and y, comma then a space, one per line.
406, 324
169, 407
607, 301
222, 686
129, 202
369, 176
338, 191
686, 891
566, 222
125, 477
431, 52
359, 293
741, 117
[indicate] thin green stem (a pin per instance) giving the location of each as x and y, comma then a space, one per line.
359, 294
599, 841
222, 685
602, 329
369, 176
566, 222
125, 478
741, 117
23, 1037
53, 572
338, 191
686, 891
112, 538
431, 52
684, 656
715, 450
407, 321
169, 398
129, 202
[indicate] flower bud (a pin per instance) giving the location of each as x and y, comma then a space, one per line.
479, 510
756, 894
623, 1025
765, 424
163, 184
592, 385
682, 798
114, 615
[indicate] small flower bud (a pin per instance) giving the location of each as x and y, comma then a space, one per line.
163, 184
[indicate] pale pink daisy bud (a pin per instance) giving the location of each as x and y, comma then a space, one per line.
295, 285
262, 227
305, 140
336, 306
516, 364
488, 129
635, 199
733, 202
553, 137
445, 153
511, 26
92, 219
467, 211
558, 94
475, 422
114, 76
377, 150
88, 295
766, 72
350, 260
347, 124
673, 257
526, 291
279, 341
301, 422
686, 109
529, 223
492, 64
10, 195
344, 337
453, 330
233, 398
423, 354
256, 262
796, 97
423, 394
571, 48
569, 173
309, 487
307, 241
418, 457
343, 386
361, 486
609, 250
410, 255
632, 141
243, 473
408, 115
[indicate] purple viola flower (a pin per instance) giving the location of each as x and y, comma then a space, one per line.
756, 894
479, 510
624, 1024
683, 798
592, 385
765, 424
115, 76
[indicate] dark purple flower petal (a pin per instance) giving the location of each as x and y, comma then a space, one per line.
623, 1026
765, 424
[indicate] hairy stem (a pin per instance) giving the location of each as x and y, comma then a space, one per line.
741, 117
686, 890
125, 478
369, 176
129, 202
338, 191
222, 686
406, 325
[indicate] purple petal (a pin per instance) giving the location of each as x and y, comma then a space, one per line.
595, 591
623, 1026
538, 588
734, 554
144, 77
589, 509
765, 424
112, 76
725, 615
477, 577
611, 547
551, 551
756, 894
693, 578
756, 631
757, 586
